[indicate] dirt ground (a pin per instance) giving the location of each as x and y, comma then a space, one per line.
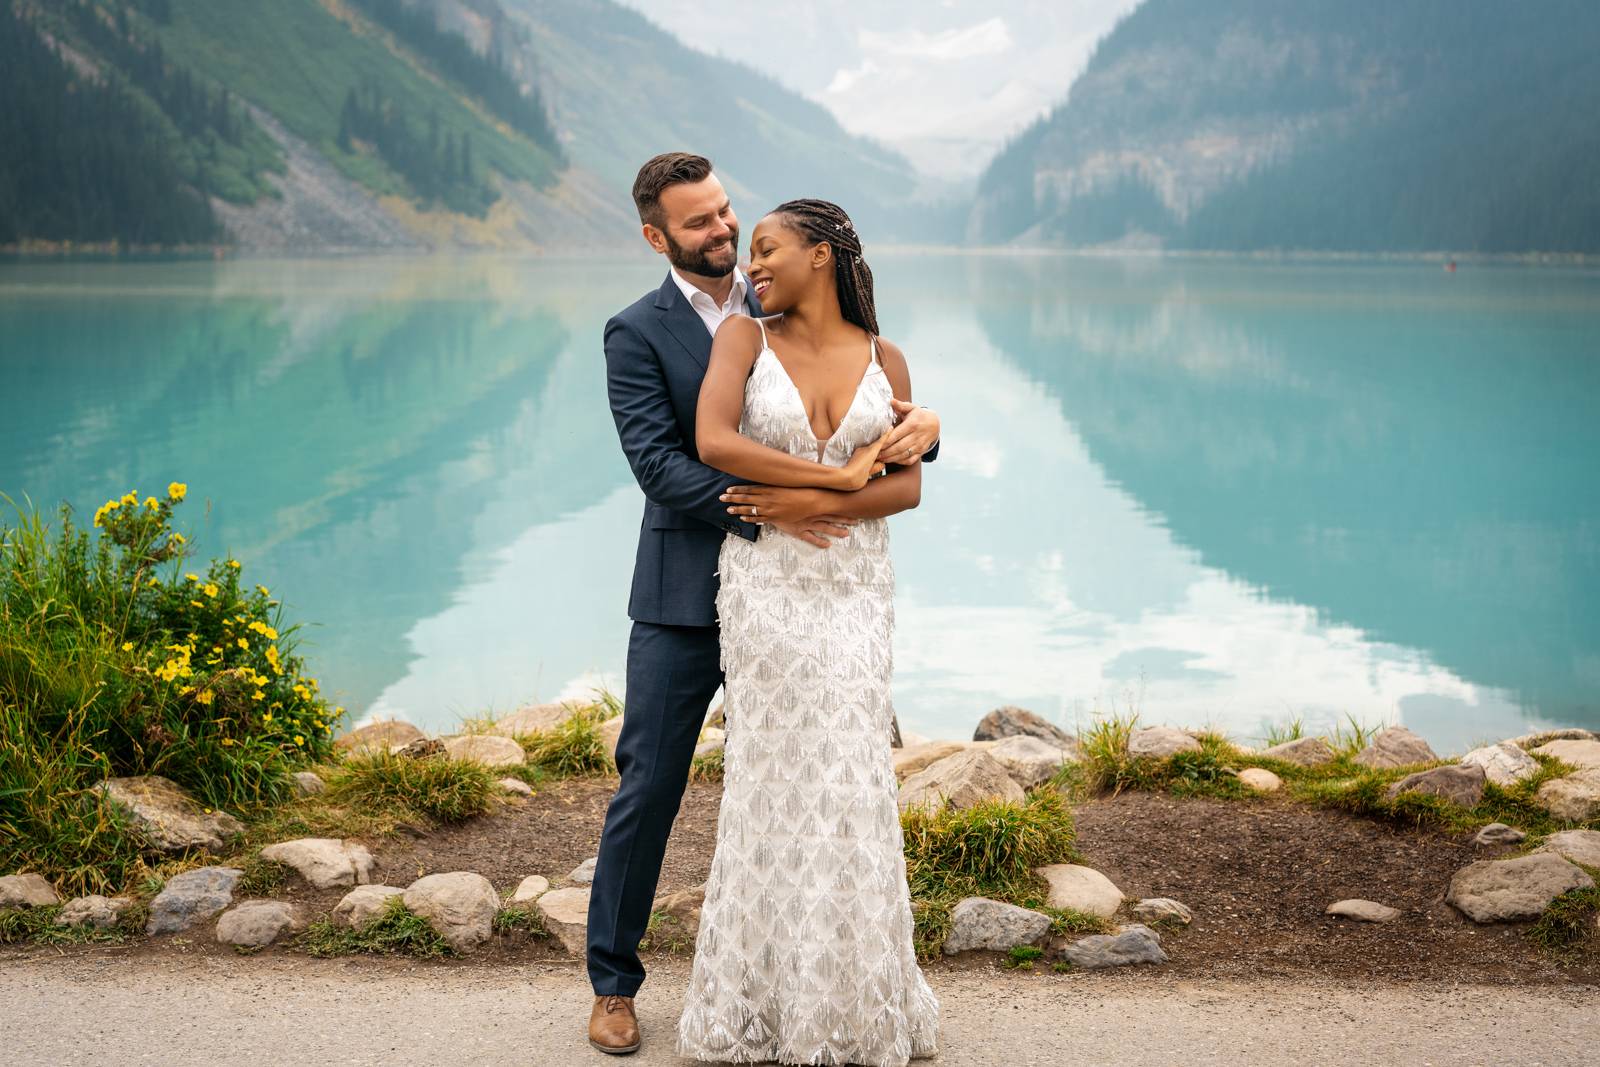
1257, 875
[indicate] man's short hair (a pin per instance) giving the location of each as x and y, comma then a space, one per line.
659, 174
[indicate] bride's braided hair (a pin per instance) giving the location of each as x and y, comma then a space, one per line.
821, 220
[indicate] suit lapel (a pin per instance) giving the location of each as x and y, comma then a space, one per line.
683, 323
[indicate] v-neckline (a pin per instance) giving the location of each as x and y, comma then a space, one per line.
766, 349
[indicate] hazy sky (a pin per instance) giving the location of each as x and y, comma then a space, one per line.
944, 82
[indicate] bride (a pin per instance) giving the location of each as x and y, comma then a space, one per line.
804, 953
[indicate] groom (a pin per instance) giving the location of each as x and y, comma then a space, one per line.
656, 354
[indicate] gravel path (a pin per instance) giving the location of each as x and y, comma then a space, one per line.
204, 1010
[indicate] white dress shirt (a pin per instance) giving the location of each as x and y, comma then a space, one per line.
706, 307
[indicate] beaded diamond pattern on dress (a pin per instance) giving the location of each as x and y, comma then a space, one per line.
804, 953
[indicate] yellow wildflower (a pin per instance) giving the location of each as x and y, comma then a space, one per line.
235, 564
227, 740
192, 577
197, 603
127, 646
299, 740
185, 689
151, 502
267, 717
176, 490
209, 589
243, 643
178, 537
204, 697
131, 498
257, 695
263, 590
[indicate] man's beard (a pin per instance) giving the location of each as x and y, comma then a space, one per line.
694, 261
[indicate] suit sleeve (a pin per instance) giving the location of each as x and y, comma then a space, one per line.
648, 430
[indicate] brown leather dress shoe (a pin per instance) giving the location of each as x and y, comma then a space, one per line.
613, 1027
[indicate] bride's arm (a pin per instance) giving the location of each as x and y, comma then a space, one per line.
717, 437
899, 490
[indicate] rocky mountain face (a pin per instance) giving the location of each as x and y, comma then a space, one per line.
1323, 124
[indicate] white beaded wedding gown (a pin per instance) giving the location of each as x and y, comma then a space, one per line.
804, 953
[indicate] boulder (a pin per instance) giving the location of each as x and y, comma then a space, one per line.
1584, 755
1539, 737
913, 758
308, 783
324, 862
1081, 888
167, 816
566, 916
530, 889
257, 923
363, 904
1030, 760
1159, 742
27, 891
420, 748
515, 785
94, 910
1395, 746
681, 910
610, 730
583, 873
1579, 846
981, 923
1461, 785
1498, 833
191, 897
707, 748
533, 719
1575, 798
459, 905
1009, 722
963, 780
1133, 943
377, 737
1157, 909
1302, 752
1503, 764
1261, 780
1365, 910
487, 749
1507, 890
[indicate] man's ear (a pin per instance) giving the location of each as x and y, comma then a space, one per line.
655, 237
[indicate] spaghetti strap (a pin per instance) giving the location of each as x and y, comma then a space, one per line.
875, 357
763, 326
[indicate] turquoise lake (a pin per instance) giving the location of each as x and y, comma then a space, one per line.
1211, 491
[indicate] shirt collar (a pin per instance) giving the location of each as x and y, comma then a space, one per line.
692, 294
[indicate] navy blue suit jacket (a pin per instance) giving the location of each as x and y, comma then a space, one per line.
657, 351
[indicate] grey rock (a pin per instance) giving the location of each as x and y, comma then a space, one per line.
515, 785
1302, 752
167, 816
1159, 742
1584, 755
960, 781
1539, 737
1457, 784
27, 891
1261, 780
257, 923
1028, 759
420, 748
1365, 910
1080, 888
94, 910
377, 737
1134, 943
533, 719
1498, 833
1157, 909
530, 889
681, 909
1579, 846
1509, 890
1575, 798
487, 749
459, 905
363, 904
324, 862
1503, 764
566, 916
1010, 721
308, 783
1395, 746
981, 923
191, 897
915, 757
583, 873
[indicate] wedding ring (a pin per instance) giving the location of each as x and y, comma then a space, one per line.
754, 510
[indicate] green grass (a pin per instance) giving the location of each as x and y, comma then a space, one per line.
38, 926
394, 931
1568, 924
1021, 957
447, 790
988, 850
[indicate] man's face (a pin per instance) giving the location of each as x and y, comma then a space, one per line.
701, 235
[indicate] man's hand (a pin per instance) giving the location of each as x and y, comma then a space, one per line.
917, 431
799, 513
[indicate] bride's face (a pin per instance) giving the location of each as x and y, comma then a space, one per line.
783, 266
